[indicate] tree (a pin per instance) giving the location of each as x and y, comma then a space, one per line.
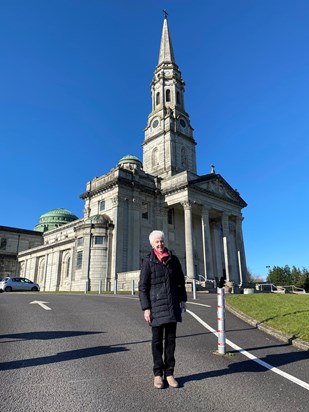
284, 276
279, 276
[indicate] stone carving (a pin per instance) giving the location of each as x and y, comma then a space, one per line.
219, 189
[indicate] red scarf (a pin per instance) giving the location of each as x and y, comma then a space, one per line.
161, 256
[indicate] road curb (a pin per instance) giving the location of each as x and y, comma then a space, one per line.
299, 344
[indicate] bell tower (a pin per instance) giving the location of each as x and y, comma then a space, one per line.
169, 146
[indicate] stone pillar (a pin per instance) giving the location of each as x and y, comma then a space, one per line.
113, 260
45, 271
207, 249
85, 273
217, 249
134, 263
241, 251
109, 255
188, 239
225, 233
165, 225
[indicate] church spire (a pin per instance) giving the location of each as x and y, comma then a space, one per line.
166, 54
169, 146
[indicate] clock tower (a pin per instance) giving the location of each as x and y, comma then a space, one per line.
169, 146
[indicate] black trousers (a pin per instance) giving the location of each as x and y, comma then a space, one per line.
163, 349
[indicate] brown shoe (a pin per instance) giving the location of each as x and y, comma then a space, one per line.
172, 382
158, 382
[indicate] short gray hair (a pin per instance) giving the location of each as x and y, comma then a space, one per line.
154, 234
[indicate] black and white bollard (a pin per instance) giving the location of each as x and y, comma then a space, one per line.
221, 321
133, 287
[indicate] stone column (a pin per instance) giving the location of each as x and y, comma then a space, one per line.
45, 271
109, 255
225, 233
165, 225
188, 239
113, 261
87, 257
241, 251
134, 263
207, 249
217, 249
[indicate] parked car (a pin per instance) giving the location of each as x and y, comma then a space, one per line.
9, 284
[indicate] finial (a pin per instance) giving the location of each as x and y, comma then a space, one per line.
212, 168
165, 13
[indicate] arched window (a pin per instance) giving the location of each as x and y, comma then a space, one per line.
158, 98
168, 95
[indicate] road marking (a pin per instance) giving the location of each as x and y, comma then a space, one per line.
42, 304
199, 304
249, 355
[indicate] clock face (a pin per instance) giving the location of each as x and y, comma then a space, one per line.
182, 123
155, 123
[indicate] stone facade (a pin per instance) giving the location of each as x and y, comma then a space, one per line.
201, 216
13, 241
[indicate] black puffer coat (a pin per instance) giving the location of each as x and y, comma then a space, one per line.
162, 288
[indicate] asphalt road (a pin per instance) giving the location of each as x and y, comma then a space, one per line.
91, 353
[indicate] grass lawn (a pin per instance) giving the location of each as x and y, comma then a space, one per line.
287, 313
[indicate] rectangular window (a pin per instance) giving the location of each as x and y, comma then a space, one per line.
98, 240
3, 243
145, 210
170, 217
102, 205
80, 241
79, 259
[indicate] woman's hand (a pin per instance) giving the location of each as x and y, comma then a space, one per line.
183, 306
147, 315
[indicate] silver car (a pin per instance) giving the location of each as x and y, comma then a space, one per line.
9, 284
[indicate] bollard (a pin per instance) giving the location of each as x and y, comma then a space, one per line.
115, 287
86, 286
194, 288
221, 321
133, 284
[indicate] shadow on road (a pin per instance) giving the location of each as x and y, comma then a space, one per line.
62, 357
274, 360
46, 335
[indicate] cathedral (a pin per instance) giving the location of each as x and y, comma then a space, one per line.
201, 216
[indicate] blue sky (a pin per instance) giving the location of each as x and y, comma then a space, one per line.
75, 95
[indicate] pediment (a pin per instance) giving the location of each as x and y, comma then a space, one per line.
218, 187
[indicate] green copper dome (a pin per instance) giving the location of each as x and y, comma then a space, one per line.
129, 159
54, 219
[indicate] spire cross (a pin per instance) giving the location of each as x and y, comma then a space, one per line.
165, 13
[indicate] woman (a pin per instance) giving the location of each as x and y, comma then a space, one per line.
162, 295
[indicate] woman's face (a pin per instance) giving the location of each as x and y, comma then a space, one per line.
158, 244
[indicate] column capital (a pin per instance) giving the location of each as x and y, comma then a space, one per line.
186, 204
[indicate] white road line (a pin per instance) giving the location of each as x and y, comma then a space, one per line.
199, 304
252, 357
